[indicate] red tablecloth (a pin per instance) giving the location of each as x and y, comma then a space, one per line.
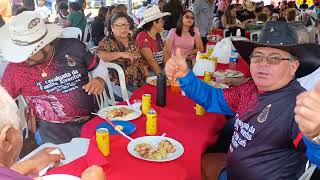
220, 32
178, 120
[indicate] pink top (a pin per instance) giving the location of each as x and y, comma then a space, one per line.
186, 43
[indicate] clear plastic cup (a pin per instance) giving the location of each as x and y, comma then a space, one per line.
137, 103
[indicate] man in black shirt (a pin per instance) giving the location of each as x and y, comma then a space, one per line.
304, 5
247, 12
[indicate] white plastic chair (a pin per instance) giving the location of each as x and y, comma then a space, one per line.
71, 32
312, 31
104, 100
22, 104
3, 65
238, 33
87, 36
92, 49
122, 79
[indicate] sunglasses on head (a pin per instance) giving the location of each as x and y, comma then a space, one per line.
188, 17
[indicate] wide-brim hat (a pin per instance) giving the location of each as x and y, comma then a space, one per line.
248, 5
280, 35
152, 14
25, 35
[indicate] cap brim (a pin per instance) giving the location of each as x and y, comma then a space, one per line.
144, 21
307, 54
16, 54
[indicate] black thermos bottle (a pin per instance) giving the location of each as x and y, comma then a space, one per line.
161, 90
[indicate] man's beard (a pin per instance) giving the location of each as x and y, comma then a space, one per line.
45, 55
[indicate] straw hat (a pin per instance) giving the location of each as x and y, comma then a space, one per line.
152, 14
248, 5
25, 35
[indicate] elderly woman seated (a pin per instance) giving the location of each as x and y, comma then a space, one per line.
119, 48
11, 142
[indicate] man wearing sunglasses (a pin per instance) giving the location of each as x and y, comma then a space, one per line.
267, 142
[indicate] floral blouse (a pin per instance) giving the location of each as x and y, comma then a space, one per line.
135, 71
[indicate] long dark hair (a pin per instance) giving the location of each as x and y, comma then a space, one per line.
75, 6
180, 24
103, 12
176, 5
227, 13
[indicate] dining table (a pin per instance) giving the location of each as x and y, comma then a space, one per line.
177, 119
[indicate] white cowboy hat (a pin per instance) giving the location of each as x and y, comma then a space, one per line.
152, 14
25, 35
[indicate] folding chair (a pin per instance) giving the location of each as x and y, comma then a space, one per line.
3, 65
254, 35
71, 32
87, 36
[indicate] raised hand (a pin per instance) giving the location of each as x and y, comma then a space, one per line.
307, 112
176, 66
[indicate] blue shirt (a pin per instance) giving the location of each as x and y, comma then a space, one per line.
266, 143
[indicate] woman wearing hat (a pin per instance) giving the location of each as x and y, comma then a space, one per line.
149, 39
118, 47
248, 11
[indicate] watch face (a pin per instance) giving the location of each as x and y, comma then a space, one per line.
316, 140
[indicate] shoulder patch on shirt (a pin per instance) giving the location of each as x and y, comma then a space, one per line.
264, 114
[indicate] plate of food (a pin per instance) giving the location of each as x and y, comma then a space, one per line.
125, 126
155, 148
218, 85
153, 81
120, 113
228, 73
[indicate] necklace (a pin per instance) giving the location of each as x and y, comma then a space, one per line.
151, 35
44, 74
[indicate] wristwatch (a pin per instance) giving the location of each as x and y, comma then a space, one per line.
316, 140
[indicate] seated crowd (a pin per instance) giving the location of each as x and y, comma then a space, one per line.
237, 16
276, 126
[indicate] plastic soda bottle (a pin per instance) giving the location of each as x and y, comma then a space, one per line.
233, 60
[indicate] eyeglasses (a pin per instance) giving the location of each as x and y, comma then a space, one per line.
272, 59
189, 17
125, 25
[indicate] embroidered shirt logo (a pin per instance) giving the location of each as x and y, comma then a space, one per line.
264, 114
33, 23
70, 60
272, 29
